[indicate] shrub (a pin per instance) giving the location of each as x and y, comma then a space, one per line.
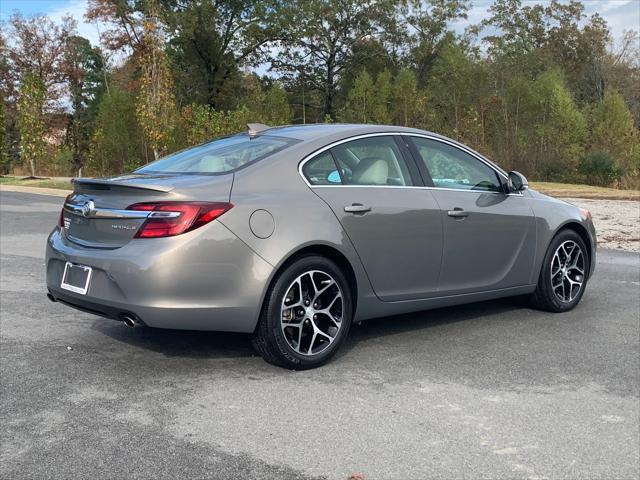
600, 169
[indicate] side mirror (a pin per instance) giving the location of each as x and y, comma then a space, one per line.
517, 182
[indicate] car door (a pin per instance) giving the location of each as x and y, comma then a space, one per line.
489, 234
370, 184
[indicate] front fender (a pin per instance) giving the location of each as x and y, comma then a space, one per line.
553, 215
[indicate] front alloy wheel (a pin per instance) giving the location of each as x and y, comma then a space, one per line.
564, 274
567, 271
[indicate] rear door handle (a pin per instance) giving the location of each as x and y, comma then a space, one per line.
357, 208
458, 213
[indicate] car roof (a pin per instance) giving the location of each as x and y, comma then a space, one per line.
311, 131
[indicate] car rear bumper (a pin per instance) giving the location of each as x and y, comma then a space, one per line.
207, 279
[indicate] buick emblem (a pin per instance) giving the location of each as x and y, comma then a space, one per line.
88, 208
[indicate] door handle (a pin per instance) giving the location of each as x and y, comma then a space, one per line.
357, 208
458, 213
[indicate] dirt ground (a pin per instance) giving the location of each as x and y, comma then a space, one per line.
617, 222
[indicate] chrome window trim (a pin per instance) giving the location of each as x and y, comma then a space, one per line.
517, 194
475, 155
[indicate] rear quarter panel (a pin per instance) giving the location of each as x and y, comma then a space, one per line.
300, 218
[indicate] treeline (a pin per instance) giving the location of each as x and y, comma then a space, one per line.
538, 88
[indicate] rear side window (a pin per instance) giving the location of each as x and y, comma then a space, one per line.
322, 170
372, 161
219, 156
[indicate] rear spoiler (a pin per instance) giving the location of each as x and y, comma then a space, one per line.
133, 183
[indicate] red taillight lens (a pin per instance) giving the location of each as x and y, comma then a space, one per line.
180, 217
61, 219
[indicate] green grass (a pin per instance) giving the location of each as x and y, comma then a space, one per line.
41, 183
584, 191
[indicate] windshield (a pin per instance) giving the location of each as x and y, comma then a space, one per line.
219, 156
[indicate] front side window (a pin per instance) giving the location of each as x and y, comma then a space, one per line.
451, 167
219, 156
372, 161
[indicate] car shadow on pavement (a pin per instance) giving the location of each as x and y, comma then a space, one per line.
178, 343
417, 322
193, 344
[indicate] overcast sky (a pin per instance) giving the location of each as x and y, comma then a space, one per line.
619, 14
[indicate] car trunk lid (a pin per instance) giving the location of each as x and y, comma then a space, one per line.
96, 214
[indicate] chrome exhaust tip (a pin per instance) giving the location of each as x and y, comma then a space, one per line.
51, 297
130, 320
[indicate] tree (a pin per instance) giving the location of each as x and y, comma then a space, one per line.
450, 86
323, 36
407, 101
124, 20
360, 101
211, 40
155, 107
83, 69
33, 95
37, 48
5, 158
266, 101
621, 71
429, 23
202, 124
557, 35
275, 109
116, 144
382, 98
613, 131
561, 128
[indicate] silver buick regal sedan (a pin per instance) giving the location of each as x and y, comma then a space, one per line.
293, 233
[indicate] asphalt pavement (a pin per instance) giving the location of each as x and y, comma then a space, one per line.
490, 390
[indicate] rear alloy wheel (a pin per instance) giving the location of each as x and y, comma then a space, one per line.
564, 273
307, 315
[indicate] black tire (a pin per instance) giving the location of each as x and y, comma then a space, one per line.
544, 296
269, 338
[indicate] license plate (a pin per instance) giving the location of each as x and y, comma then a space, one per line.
76, 278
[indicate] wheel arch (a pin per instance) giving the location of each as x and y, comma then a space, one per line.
324, 250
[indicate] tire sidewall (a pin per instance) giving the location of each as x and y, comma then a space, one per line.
545, 273
273, 312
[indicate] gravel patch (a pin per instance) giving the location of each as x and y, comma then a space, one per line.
617, 222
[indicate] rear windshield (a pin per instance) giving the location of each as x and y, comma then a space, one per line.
219, 156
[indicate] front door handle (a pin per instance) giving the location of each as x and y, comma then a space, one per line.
357, 208
457, 213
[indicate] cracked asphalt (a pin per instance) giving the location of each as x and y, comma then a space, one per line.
490, 390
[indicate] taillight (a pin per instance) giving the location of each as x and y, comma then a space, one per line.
167, 219
61, 219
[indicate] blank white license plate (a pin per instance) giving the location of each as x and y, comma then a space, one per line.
76, 278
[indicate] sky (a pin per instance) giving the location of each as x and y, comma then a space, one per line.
620, 14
